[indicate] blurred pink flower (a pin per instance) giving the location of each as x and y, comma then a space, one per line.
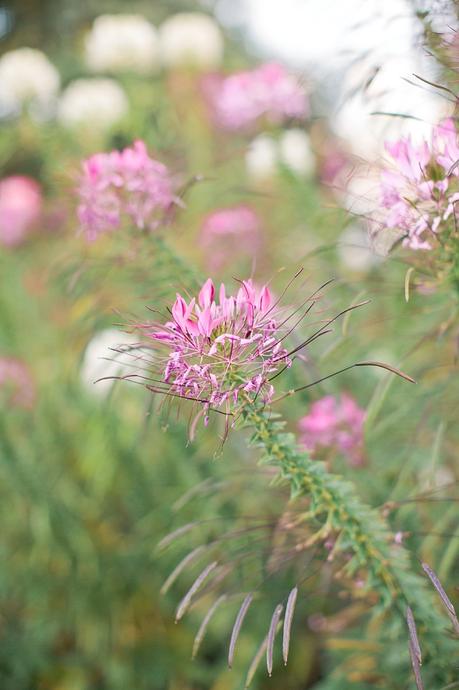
333, 164
228, 232
240, 99
21, 204
417, 194
217, 351
16, 382
333, 423
123, 185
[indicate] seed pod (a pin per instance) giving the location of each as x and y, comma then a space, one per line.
444, 597
205, 622
289, 611
414, 642
237, 626
271, 637
186, 601
180, 567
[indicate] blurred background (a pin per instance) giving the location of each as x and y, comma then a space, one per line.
93, 476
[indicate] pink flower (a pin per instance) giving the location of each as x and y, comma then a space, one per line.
333, 423
333, 164
122, 186
20, 207
240, 99
216, 351
230, 231
419, 191
16, 383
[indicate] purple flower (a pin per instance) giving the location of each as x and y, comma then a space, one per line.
21, 204
16, 384
269, 91
215, 351
419, 190
122, 186
229, 231
333, 423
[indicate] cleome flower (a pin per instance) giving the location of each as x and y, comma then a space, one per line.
229, 231
217, 352
419, 190
122, 186
21, 203
95, 105
269, 91
122, 42
334, 424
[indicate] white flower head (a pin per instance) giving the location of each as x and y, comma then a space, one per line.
191, 38
295, 152
261, 158
110, 353
26, 75
98, 103
122, 42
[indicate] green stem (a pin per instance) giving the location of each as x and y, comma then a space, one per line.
332, 499
359, 530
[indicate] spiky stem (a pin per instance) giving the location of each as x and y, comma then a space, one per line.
360, 531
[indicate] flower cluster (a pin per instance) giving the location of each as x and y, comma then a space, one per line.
218, 351
26, 75
333, 423
94, 104
20, 207
122, 42
228, 230
16, 383
123, 185
419, 190
269, 91
191, 39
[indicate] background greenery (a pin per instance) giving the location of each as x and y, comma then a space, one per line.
89, 485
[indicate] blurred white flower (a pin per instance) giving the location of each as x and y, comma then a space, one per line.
26, 75
261, 158
122, 42
108, 354
355, 249
372, 91
191, 38
96, 103
296, 153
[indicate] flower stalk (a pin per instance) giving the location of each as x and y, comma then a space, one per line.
359, 531
332, 499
